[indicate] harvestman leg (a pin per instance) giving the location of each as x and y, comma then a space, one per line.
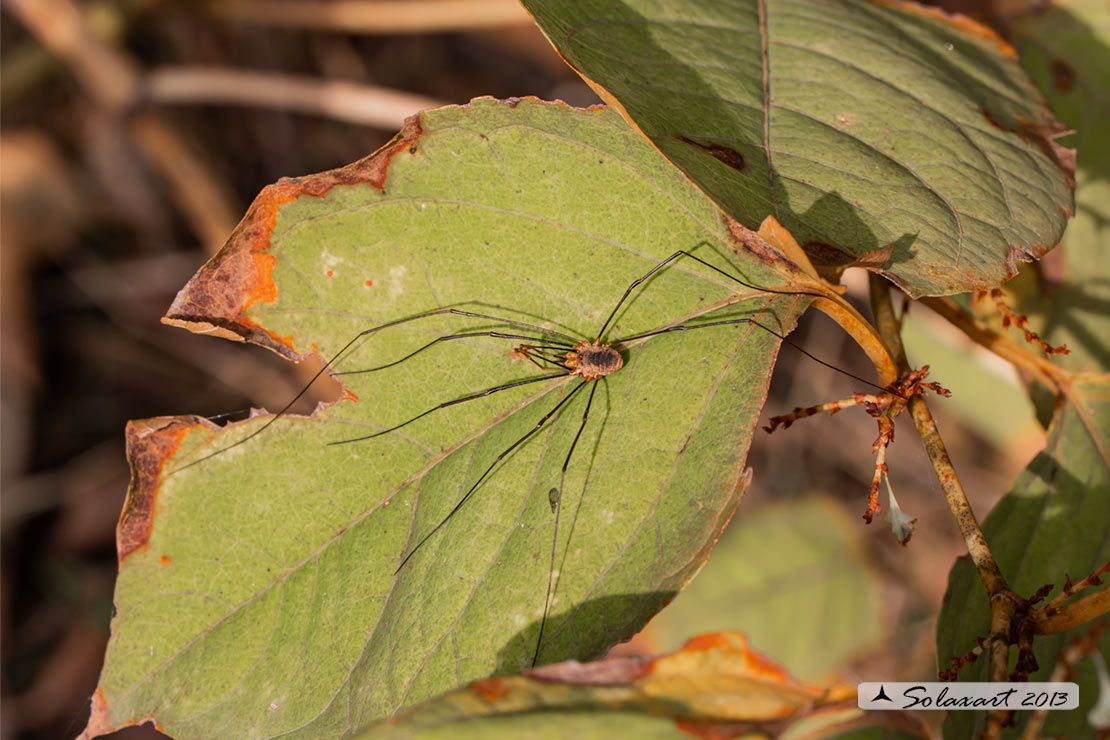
470, 492
557, 507
691, 327
449, 337
699, 260
557, 496
366, 332
445, 404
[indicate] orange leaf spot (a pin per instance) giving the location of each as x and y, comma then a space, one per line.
492, 689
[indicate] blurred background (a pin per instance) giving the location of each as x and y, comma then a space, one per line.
133, 135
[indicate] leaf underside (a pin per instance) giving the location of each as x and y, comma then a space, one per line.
258, 596
879, 134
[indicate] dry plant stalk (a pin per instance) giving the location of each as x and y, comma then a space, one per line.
377, 17
113, 81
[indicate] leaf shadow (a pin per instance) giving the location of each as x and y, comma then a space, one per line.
721, 148
574, 634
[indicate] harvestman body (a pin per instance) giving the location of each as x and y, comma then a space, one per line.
589, 360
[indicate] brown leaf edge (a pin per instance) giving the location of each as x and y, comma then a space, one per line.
240, 274
100, 721
150, 443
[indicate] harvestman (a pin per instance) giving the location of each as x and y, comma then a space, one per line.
589, 360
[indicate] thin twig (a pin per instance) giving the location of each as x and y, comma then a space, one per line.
954, 493
976, 543
365, 105
1009, 350
1080, 611
861, 330
1071, 589
380, 17
1003, 601
1020, 321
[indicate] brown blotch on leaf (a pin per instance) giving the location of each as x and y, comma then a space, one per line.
218, 297
1063, 75
165, 561
736, 644
756, 244
150, 442
1044, 136
724, 154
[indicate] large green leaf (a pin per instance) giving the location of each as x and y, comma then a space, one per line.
810, 607
880, 134
1066, 49
257, 594
1054, 522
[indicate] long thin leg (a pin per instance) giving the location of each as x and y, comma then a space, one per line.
632, 287
482, 477
347, 346
681, 253
457, 312
535, 357
447, 338
742, 282
557, 507
445, 404
536, 352
689, 327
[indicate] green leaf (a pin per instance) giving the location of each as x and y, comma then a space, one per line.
1066, 49
795, 578
1053, 523
888, 136
257, 593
